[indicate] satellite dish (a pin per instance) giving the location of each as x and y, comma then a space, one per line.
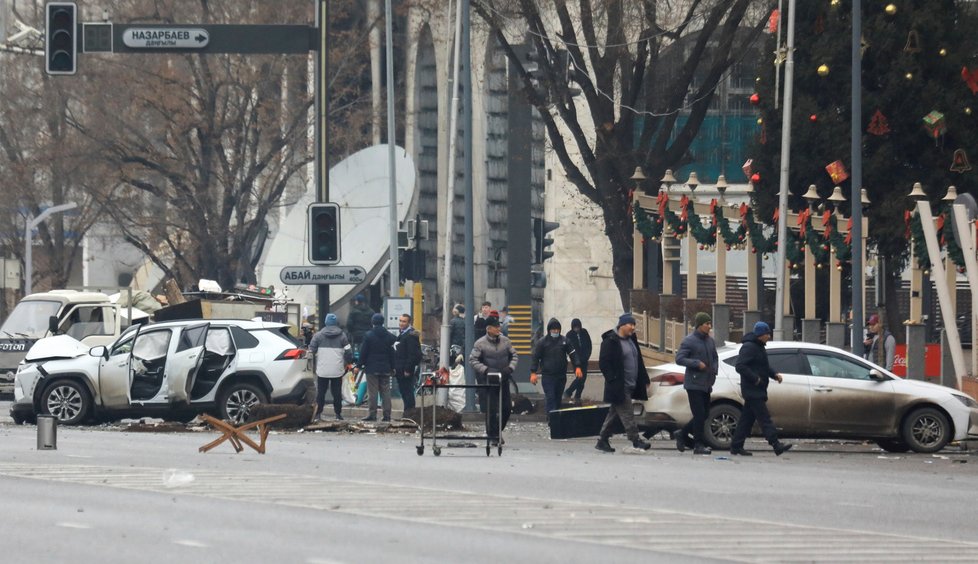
968, 201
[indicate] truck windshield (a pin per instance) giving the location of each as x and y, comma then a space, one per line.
29, 319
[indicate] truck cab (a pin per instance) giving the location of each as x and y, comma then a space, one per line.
89, 317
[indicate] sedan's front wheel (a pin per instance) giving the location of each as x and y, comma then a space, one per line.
68, 401
926, 430
721, 423
893, 445
238, 400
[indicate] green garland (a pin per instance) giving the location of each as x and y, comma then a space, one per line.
816, 244
761, 243
648, 227
731, 237
919, 243
705, 236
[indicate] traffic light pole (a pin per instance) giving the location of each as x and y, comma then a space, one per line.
322, 157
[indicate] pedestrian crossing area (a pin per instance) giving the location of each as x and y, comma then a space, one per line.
657, 531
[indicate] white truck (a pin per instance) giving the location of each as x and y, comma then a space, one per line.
89, 317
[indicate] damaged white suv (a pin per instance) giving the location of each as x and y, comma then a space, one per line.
175, 368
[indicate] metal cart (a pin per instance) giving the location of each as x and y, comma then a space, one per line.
493, 386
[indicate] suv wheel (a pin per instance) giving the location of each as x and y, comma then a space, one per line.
893, 445
237, 401
926, 430
721, 422
66, 400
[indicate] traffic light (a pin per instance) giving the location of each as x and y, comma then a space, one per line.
60, 38
541, 242
324, 233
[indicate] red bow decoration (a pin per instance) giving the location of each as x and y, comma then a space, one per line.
827, 223
631, 195
940, 227
684, 204
848, 238
743, 211
777, 213
663, 201
970, 78
906, 219
803, 222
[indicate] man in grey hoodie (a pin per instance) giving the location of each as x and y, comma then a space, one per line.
332, 356
698, 353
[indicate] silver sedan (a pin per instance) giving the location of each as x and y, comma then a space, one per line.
827, 393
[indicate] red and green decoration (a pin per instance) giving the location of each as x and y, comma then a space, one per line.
688, 222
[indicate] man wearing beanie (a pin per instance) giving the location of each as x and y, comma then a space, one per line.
494, 353
755, 373
698, 353
332, 355
625, 379
580, 339
377, 361
550, 357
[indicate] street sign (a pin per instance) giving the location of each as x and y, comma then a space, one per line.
166, 38
338, 274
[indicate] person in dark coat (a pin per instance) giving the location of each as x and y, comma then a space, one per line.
377, 362
625, 379
358, 320
580, 339
479, 321
698, 353
550, 358
457, 327
755, 374
407, 358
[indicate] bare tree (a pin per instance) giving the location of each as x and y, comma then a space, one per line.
640, 64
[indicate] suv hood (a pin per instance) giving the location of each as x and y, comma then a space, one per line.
59, 346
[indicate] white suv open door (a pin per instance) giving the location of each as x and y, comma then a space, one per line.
183, 365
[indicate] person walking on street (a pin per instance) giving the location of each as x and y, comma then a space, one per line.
883, 355
550, 358
580, 339
755, 374
358, 320
625, 379
494, 353
377, 360
698, 353
332, 356
504, 320
456, 327
407, 358
479, 322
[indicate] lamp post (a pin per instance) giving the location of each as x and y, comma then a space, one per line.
638, 260
33, 222
916, 330
667, 180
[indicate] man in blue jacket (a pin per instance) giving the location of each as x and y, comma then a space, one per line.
377, 362
698, 353
755, 374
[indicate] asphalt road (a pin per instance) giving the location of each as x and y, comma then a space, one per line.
111, 496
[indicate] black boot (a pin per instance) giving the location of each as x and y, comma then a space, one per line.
680, 441
741, 452
641, 444
603, 445
702, 449
781, 448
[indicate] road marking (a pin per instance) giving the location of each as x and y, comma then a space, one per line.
660, 531
191, 543
73, 525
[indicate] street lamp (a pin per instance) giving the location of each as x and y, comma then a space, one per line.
918, 192
638, 177
952, 194
837, 198
668, 179
33, 222
692, 181
722, 186
812, 196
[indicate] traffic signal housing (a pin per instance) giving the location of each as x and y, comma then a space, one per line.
60, 38
324, 233
542, 243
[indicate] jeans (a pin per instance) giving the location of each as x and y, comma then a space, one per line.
699, 404
335, 386
754, 409
380, 382
553, 389
577, 386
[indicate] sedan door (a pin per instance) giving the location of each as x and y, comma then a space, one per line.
845, 400
185, 362
790, 401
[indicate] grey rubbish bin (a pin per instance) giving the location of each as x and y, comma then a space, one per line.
47, 432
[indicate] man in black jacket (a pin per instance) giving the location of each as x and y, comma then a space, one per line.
580, 339
698, 353
550, 357
407, 357
625, 379
377, 362
755, 373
